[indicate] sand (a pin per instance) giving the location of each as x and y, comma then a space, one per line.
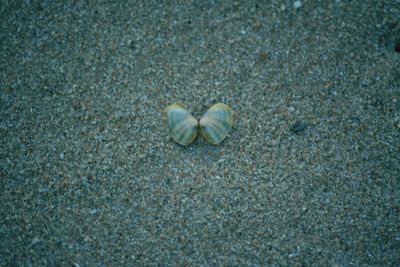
308, 176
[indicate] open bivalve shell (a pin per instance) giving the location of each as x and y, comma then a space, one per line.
214, 125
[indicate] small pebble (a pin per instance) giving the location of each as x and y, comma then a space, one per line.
43, 189
297, 4
397, 47
299, 126
93, 211
291, 109
35, 240
62, 155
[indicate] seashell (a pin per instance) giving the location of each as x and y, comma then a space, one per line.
182, 125
216, 123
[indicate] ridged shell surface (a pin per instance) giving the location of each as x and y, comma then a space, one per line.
216, 123
182, 125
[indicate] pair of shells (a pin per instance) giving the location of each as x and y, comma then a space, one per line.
214, 125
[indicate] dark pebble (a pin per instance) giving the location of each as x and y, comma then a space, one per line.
299, 126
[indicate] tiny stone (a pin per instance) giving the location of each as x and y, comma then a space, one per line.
35, 240
397, 47
62, 155
291, 109
93, 211
283, 7
299, 126
43, 189
297, 4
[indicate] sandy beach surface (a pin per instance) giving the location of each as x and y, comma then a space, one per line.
308, 176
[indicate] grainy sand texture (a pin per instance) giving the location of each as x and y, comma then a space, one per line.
309, 175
